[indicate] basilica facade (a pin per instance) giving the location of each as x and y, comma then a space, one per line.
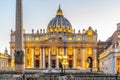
57, 45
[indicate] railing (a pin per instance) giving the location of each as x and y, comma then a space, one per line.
65, 78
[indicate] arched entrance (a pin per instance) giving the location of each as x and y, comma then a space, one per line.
37, 57
70, 63
90, 62
53, 63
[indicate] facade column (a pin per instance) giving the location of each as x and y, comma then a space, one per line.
33, 57
49, 59
41, 49
13, 58
94, 59
43, 57
66, 54
74, 61
57, 60
83, 57
25, 57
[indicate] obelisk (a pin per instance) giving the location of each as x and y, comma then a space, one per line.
19, 53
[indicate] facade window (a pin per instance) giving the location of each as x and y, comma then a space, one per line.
37, 51
28, 38
46, 51
51, 30
37, 38
46, 38
70, 50
60, 29
89, 51
119, 42
78, 38
118, 35
53, 50
70, 38
90, 37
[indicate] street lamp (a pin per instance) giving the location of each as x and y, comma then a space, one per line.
63, 62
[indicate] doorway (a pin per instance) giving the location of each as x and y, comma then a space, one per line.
90, 62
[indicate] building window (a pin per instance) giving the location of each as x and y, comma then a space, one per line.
37, 38
90, 38
70, 51
46, 38
70, 38
118, 35
78, 38
28, 38
37, 51
53, 50
89, 51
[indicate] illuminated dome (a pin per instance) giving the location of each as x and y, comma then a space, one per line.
59, 24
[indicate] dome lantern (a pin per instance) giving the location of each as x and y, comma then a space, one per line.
59, 12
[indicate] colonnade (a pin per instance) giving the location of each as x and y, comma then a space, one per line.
46, 55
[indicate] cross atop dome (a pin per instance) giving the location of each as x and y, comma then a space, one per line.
59, 11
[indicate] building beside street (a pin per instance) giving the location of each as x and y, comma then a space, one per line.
4, 63
109, 59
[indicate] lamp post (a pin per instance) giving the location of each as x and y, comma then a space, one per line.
63, 62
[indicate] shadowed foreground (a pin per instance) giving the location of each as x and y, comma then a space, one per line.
56, 76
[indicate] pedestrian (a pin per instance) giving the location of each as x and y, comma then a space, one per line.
23, 76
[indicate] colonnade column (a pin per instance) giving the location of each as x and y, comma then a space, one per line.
41, 55
94, 59
74, 61
49, 59
57, 60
